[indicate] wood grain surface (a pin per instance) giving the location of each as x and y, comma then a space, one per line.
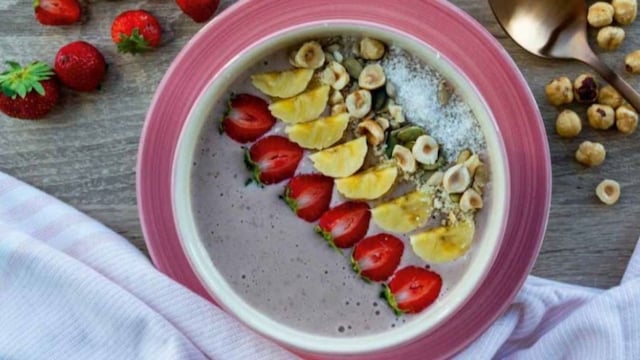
85, 152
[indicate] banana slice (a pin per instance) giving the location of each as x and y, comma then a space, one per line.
444, 244
302, 108
342, 160
283, 84
404, 214
369, 184
319, 134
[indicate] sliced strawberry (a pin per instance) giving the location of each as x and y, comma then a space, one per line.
309, 195
412, 289
345, 225
377, 257
57, 12
273, 159
247, 119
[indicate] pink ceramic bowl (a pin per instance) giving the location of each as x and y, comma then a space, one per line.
491, 222
446, 39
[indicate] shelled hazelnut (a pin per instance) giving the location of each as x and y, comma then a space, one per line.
608, 191
625, 11
600, 14
591, 154
632, 62
626, 120
585, 88
559, 91
610, 96
601, 117
610, 37
568, 124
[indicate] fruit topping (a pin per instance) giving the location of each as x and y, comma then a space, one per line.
404, 214
342, 160
345, 224
302, 108
377, 257
309, 195
445, 243
283, 84
273, 159
370, 184
412, 289
319, 134
247, 118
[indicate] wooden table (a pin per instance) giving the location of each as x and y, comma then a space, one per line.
85, 152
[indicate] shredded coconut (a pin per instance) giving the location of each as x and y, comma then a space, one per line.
453, 125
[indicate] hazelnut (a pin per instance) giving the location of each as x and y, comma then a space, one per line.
632, 62
471, 200
610, 96
591, 154
309, 56
359, 103
626, 120
608, 191
559, 91
372, 130
371, 49
457, 179
404, 158
601, 117
625, 11
568, 124
335, 75
600, 14
396, 112
336, 98
610, 37
585, 88
435, 179
425, 150
338, 109
372, 77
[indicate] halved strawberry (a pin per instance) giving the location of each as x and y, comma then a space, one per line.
412, 289
247, 119
377, 257
345, 224
309, 195
273, 159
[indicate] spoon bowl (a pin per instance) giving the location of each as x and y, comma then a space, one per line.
556, 29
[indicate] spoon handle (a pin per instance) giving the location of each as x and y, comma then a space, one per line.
615, 80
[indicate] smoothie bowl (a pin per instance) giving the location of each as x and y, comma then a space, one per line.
341, 189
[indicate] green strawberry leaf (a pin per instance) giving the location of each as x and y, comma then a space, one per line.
134, 43
391, 300
20, 81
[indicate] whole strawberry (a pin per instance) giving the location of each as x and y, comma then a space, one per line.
199, 10
28, 92
57, 12
80, 66
136, 31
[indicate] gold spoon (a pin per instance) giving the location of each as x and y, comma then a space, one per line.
556, 29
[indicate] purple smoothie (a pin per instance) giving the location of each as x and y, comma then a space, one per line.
272, 259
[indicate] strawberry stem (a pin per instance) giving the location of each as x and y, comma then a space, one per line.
253, 168
391, 300
329, 238
20, 81
134, 43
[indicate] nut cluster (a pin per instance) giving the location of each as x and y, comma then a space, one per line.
606, 108
609, 18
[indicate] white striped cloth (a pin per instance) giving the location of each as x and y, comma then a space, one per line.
72, 289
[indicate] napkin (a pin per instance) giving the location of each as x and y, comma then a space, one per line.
72, 289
